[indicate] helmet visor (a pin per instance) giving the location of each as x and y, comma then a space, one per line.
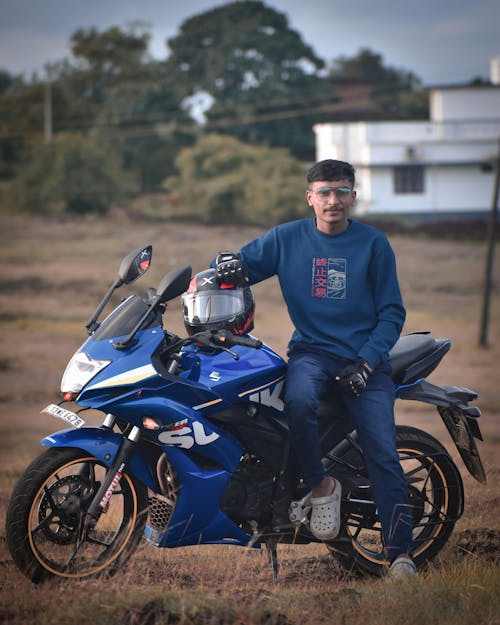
212, 306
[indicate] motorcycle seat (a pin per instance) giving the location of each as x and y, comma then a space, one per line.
409, 349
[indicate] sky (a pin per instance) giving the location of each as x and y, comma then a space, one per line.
441, 41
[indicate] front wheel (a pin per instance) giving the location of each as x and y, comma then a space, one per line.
436, 495
45, 527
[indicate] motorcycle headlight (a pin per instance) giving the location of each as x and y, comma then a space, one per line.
80, 370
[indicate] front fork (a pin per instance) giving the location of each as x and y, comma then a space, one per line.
113, 475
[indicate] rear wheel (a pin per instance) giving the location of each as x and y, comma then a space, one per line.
45, 519
436, 494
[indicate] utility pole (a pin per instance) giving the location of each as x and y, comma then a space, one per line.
488, 275
47, 108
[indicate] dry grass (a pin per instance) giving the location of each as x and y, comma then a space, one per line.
215, 586
52, 274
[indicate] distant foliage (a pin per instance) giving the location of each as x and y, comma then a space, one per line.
120, 121
112, 90
223, 180
396, 92
264, 81
70, 175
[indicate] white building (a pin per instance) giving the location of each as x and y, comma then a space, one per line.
439, 167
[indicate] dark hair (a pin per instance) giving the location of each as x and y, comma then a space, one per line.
331, 169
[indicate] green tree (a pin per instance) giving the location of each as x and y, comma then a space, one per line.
263, 80
138, 108
8, 151
112, 89
100, 62
78, 88
6, 79
396, 92
110, 57
70, 175
145, 123
223, 180
21, 115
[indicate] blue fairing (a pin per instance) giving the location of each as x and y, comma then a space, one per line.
207, 379
103, 445
197, 517
399, 389
131, 388
135, 385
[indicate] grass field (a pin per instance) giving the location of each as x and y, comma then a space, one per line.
52, 275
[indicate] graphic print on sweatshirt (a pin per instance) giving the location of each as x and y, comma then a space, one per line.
329, 278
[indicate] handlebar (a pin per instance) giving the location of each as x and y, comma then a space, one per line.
216, 339
225, 338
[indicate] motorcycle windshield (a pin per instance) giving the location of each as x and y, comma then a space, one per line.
124, 319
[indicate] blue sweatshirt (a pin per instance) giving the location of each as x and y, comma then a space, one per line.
341, 291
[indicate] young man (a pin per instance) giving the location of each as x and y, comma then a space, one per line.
338, 278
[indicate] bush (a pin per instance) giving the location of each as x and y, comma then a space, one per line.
223, 180
70, 175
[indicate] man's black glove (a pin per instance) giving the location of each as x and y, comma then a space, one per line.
352, 379
230, 270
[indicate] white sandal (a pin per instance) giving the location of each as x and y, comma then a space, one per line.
325, 514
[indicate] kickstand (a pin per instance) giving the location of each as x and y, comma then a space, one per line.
272, 550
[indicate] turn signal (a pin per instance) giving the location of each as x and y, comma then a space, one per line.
69, 396
148, 423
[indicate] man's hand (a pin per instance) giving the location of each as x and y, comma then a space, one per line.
352, 379
230, 270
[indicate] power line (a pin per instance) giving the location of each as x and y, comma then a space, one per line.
136, 126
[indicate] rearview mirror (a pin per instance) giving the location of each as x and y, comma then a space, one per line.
171, 285
135, 264
174, 283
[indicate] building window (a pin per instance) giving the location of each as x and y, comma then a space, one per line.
409, 179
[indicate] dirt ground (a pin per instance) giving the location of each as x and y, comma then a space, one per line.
54, 272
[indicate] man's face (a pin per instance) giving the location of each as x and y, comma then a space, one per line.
331, 201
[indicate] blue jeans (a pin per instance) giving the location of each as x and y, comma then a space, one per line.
309, 373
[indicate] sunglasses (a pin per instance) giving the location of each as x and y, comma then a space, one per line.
340, 193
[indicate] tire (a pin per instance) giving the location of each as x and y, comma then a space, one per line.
436, 493
44, 524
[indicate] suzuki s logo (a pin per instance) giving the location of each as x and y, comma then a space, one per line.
186, 437
269, 398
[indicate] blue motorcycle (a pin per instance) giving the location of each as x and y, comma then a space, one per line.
193, 449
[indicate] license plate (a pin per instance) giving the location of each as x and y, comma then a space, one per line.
65, 415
